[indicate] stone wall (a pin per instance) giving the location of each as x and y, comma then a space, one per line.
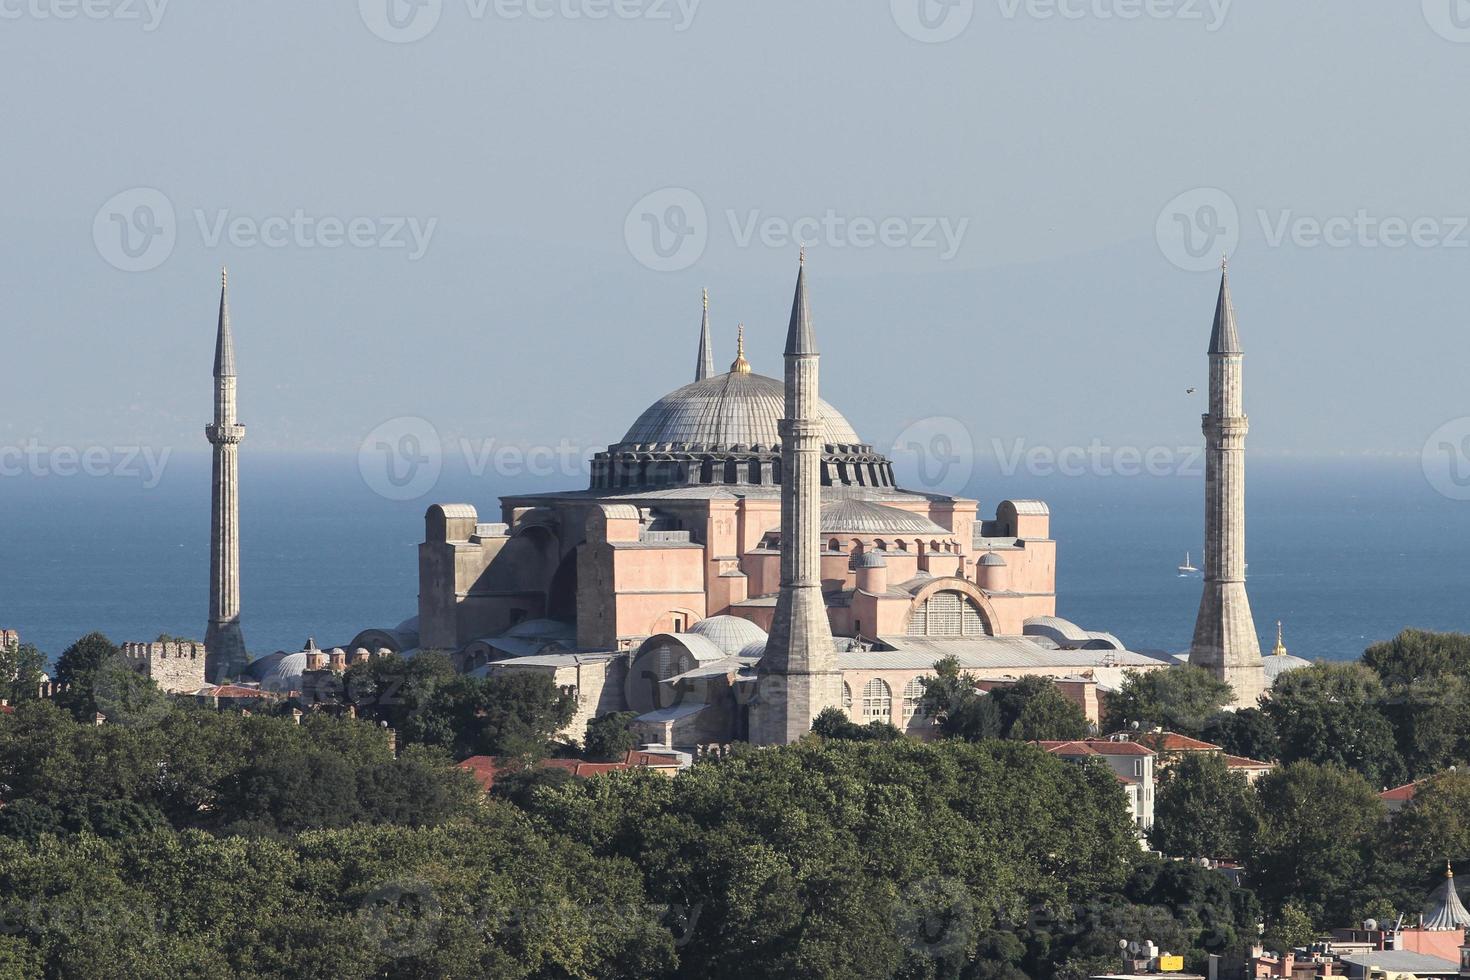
177, 668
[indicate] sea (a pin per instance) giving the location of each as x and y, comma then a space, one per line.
1343, 551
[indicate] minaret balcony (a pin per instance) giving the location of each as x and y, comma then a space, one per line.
225, 435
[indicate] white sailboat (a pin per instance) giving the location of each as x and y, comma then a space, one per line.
1188, 567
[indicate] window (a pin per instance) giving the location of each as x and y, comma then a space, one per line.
1138, 767
913, 694
877, 701
847, 697
678, 624
947, 614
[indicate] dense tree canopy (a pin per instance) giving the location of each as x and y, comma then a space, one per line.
1203, 809
1179, 700
1331, 714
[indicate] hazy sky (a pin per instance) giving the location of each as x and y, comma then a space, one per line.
996, 236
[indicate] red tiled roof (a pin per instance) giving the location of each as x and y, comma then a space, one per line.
485, 768
1241, 762
1095, 746
1174, 742
1400, 794
233, 691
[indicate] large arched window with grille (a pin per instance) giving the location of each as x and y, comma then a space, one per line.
948, 613
877, 701
913, 695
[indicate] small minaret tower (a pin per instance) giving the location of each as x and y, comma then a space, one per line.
1225, 640
222, 638
798, 673
705, 368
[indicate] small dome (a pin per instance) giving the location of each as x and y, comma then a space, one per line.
281, 672
871, 559
991, 560
730, 633
1278, 665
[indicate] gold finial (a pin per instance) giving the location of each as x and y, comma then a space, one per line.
741, 365
1449, 870
1280, 650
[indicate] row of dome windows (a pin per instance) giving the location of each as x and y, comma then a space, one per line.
610, 473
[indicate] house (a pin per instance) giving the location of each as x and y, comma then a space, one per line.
1132, 763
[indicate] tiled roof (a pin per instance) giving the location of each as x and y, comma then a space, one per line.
485, 768
1241, 762
1095, 746
1400, 794
725, 411
1174, 742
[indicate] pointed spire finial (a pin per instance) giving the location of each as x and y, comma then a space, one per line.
704, 366
1225, 336
801, 259
1224, 261
741, 365
1280, 650
800, 337
224, 341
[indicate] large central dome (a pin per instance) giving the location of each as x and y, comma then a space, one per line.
725, 411
725, 430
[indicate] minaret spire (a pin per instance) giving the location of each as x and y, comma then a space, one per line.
1225, 640
223, 640
705, 367
798, 674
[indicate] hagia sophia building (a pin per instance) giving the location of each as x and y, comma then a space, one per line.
743, 559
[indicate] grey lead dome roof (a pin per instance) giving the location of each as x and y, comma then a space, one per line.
728, 410
853, 516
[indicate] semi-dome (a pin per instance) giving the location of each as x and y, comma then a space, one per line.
854, 516
727, 410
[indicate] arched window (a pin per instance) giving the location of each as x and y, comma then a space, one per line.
834, 545
847, 697
877, 701
948, 613
913, 694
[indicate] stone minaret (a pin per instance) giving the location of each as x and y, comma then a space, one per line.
222, 638
1225, 640
798, 673
705, 368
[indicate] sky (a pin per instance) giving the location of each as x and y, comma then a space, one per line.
496, 216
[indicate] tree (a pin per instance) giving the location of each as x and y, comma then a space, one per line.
834, 723
1313, 846
1203, 809
1180, 699
76, 671
957, 707
609, 739
1248, 733
510, 713
21, 669
1329, 713
1417, 655
1290, 928
392, 689
1035, 709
